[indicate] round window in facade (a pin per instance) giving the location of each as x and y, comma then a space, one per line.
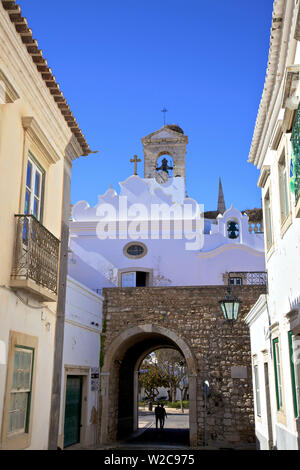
233, 229
135, 250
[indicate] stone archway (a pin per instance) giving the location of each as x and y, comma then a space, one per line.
188, 319
118, 378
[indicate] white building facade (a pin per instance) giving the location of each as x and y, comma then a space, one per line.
81, 355
151, 234
274, 321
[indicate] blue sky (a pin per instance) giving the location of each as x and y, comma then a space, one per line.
120, 62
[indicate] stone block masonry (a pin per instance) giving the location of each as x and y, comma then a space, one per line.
190, 318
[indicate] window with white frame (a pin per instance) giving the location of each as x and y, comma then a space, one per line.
295, 368
34, 189
20, 393
134, 279
268, 219
236, 281
257, 390
278, 376
283, 187
135, 250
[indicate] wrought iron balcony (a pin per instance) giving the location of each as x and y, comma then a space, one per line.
36, 256
247, 278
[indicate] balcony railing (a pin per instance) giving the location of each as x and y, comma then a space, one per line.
36, 254
256, 227
247, 278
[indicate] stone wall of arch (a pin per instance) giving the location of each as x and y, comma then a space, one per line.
190, 319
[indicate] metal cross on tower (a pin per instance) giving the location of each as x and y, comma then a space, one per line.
164, 110
135, 160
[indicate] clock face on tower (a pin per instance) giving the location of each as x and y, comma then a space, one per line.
161, 177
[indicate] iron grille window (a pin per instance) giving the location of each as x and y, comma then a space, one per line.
239, 278
135, 250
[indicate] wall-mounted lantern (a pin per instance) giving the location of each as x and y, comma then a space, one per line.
230, 306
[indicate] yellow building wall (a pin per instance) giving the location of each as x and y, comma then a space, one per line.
21, 313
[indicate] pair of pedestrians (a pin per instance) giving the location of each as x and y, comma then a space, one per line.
160, 415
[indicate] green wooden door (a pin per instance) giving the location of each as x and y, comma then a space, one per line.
73, 410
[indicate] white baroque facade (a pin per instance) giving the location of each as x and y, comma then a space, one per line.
173, 250
274, 321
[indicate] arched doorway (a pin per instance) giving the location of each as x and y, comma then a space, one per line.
161, 389
119, 379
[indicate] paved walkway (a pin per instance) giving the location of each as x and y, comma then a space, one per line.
175, 419
175, 435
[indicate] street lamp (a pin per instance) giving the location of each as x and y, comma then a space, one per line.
230, 306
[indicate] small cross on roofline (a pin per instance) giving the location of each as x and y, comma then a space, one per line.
135, 160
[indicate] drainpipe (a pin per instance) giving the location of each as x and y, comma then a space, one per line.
205, 393
60, 313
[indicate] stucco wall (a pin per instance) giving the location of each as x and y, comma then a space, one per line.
82, 353
30, 121
40, 323
271, 150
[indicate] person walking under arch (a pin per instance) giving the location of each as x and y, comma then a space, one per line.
157, 412
163, 416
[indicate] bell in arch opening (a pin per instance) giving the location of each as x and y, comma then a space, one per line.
165, 163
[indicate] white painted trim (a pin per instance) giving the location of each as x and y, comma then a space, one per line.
32, 127
283, 16
10, 92
81, 226
258, 308
228, 247
89, 291
264, 175
23, 75
84, 327
277, 135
